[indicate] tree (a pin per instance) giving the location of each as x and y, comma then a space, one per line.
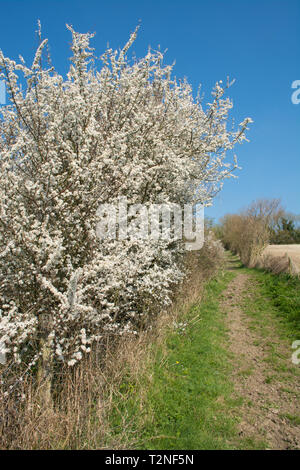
123, 129
248, 232
285, 230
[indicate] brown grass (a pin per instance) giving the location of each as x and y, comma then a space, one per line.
86, 395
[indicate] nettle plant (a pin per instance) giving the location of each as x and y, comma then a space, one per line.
124, 128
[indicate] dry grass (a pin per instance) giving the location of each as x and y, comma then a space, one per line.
84, 398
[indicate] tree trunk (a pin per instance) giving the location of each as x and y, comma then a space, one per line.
45, 375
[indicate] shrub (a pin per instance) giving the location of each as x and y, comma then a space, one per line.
248, 233
126, 129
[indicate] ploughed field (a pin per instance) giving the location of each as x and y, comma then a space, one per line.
293, 252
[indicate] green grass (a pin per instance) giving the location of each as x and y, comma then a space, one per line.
271, 303
190, 389
275, 298
283, 291
292, 418
189, 402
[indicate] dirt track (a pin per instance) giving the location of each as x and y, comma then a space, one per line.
270, 388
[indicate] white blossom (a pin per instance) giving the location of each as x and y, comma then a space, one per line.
119, 129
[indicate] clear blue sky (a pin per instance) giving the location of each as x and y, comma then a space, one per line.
256, 42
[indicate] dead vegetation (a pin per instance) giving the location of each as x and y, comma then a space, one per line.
248, 234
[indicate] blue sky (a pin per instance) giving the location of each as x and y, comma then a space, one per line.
256, 42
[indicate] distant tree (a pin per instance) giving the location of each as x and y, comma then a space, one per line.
248, 232
285, 232
209, 223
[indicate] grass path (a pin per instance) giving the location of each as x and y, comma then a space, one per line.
263, 374
223, 377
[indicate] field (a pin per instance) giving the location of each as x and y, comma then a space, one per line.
293, 252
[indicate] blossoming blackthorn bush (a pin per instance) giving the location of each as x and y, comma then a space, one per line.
113, 127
